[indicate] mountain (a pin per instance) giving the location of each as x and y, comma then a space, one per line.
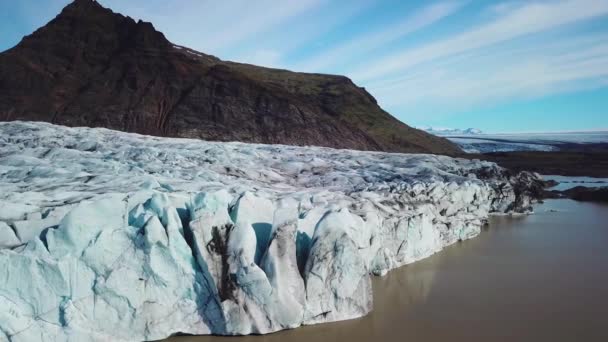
92, 67
452, 131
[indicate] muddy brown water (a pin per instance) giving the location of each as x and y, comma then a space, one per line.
542, 277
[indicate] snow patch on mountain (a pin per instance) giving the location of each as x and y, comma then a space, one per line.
113, 236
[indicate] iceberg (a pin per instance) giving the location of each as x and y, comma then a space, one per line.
107, 235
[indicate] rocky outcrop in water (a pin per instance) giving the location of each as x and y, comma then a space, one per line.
581, 193
585, 194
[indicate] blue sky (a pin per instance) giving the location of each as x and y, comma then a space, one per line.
495, 65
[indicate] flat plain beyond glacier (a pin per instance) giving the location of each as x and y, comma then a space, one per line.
540, 277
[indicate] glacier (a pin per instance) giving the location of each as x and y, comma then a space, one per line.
107, 235
479, 142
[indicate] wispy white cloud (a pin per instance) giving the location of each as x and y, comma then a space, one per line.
527, 19
507, 73
305, 32
373, 40
261, 31
249, 18
215, 26
263, 57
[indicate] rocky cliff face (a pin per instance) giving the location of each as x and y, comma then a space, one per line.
92, 67
110, 236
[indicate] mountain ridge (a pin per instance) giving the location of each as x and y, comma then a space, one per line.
92, 67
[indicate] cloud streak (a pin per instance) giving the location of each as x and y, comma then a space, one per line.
215, 26
528, 19
368, 42
513, 72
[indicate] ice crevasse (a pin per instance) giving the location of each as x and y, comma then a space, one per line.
113, 236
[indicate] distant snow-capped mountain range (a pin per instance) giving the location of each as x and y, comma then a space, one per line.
451, 131
472, 140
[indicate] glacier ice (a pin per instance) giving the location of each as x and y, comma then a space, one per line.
113, 236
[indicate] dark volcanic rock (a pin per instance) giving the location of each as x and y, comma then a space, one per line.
582, 193
583, 162
92, 67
